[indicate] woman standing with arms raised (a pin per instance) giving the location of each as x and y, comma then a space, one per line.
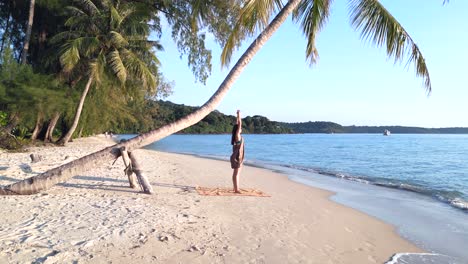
237, 157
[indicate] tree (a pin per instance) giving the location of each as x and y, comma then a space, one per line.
107, 38
373, 17
368, 16
27, 37
66, 171
26, 95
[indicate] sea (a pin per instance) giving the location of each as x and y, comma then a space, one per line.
416, 182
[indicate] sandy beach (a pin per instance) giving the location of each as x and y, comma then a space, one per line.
97, 218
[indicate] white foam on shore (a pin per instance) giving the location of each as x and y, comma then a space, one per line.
396, 257
459, 203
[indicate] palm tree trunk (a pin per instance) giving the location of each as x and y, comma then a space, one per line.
37, 127
81, 132
51, 127
7, 27
72, 129
60, 174
27, 38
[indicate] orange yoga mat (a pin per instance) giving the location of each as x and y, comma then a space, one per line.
219, 191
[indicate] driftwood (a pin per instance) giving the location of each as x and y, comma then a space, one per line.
144, 183
128, 167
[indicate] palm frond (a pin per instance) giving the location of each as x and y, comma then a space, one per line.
97, 66
115, 17
70, 55
313, 15
139, 69
75, 11
117, 39
63, 36
88, 6
117, 66
379, 26
198, 13
77, 22
128, 12
254, 16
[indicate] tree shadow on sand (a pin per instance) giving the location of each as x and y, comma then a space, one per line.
99, 183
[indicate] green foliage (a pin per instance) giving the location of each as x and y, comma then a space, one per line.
378, 25
109, 38
160, 113
330, 127
191, 20
315, 127
3, 118
27, 94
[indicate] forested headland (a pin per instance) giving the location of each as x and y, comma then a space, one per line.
332, 128
160, 112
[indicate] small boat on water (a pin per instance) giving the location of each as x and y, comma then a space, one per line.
386, 132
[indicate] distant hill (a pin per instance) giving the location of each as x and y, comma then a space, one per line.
158, 113
164, 112
330, 127
315, 127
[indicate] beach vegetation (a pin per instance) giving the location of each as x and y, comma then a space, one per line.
107, 39
161, 113
368, 16
112, 105
27, 97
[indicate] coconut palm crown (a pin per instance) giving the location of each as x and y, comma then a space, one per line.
370, 17
108, 39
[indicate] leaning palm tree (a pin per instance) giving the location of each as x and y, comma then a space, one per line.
27, 36
107, 39
367, 16
255, 15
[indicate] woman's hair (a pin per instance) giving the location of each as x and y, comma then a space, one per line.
234, 132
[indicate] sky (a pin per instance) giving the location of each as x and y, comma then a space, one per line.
354, 82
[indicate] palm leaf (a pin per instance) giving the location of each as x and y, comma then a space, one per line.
313, 15
117, 66
97, 66
115, 17
64, 36
75, 11
139, 68
87, 45
254, 16
88, 6
117, 39
379, 26
70, 55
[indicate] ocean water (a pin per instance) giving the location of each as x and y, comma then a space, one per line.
433, 165
419, 183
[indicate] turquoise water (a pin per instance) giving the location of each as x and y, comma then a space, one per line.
432, 165
418, 183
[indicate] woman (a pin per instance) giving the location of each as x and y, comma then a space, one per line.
237, 157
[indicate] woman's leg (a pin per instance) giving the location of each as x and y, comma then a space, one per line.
235, 179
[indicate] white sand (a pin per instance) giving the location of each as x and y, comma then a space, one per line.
97, 218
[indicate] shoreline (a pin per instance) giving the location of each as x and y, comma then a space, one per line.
297, 224
446, 219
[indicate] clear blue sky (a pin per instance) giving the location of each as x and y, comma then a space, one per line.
354, 83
